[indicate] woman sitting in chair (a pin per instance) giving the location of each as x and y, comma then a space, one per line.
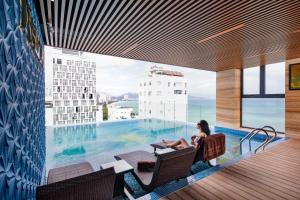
204, 131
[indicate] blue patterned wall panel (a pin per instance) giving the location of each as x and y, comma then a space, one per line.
22, 112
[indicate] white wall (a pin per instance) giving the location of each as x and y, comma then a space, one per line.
49, 116
159, 98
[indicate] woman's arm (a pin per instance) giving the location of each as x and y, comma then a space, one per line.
196, 145
193, 140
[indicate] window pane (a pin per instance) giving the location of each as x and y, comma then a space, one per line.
275, 78
251, 80
259, 112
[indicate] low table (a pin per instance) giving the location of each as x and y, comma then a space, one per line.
121, 167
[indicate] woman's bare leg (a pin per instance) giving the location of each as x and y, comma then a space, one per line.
182, 143
171, 143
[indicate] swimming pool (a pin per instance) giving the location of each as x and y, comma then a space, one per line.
98, 143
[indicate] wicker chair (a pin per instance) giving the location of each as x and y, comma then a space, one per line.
91, 186
169, 166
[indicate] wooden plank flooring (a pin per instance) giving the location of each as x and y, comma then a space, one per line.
271, 174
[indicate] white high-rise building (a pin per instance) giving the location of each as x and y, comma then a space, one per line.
163, 95
71, 86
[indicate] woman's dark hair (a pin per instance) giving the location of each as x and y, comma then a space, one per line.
203, 125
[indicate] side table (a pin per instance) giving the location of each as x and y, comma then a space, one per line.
121, 167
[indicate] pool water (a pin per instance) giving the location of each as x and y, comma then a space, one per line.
98, 143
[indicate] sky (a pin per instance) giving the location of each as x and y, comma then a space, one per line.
117, 76
275, 79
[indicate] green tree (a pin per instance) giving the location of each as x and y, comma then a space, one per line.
105, 111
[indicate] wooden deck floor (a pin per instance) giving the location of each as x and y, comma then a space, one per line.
271, 174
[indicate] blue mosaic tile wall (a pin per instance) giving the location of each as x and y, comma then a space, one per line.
22, 112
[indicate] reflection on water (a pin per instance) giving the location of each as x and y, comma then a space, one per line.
232, 149
71, 144
74, 134
99, 143
71, 151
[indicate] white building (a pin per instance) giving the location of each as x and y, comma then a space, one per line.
103, 97
163, 95
71, 86
125, 97
118, 112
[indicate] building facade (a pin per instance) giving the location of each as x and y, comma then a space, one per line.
72, 89
119, 112
163, 95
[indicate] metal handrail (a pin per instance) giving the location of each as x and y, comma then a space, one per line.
254, 132
259, 130
272, 138
244, 138
266, 141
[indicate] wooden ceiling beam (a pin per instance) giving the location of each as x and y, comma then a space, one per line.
83, 26
87, 30
145, 14
70, 35
66, 29
130, 14
56, 22
110, 22
61, 25
206, 34
50, 22
100, 24
78, 24
44, 21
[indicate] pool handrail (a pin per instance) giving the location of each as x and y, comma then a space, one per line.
244, 138
272, 138
259, 130
266, 140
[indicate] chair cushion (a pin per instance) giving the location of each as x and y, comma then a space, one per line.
69, 171
211, 147
95, 185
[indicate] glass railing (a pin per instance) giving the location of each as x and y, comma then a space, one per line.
190, 112
204, 110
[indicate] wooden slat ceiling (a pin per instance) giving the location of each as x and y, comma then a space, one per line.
204, 34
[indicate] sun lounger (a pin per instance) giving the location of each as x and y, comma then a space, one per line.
168, 167
78, 182
211, 147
